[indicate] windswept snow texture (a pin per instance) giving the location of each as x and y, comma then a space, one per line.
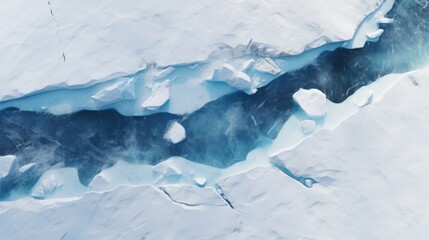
61, 43
222, 132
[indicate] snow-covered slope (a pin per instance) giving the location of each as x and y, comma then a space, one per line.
70, 44
370, 174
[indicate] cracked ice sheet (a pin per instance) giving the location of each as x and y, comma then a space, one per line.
142, 212
372, 185
193, 195
103, 40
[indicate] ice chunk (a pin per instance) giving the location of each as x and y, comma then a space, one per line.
267, 65
26, 167
167, 169
248, 64
312, 101
384, 20
227, 74
200, 181
6, 165
309, 183
115, 92
308, 126
164, 73
242, 81
375, 34
159, 96
110, 94
38, 192
58, 182
175, 133
128, 90
234, 78
365, 99
48, 184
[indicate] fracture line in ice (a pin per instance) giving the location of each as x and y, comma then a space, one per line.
63, 182
161, 89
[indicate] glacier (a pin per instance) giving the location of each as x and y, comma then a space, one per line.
241, 162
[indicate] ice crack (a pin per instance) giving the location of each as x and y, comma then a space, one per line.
306, 182
57, 29
178, 202
219, 190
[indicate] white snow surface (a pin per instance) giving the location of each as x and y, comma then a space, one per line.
128, 212
70, 44
370, 174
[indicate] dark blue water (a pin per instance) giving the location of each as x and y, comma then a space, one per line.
222, 132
